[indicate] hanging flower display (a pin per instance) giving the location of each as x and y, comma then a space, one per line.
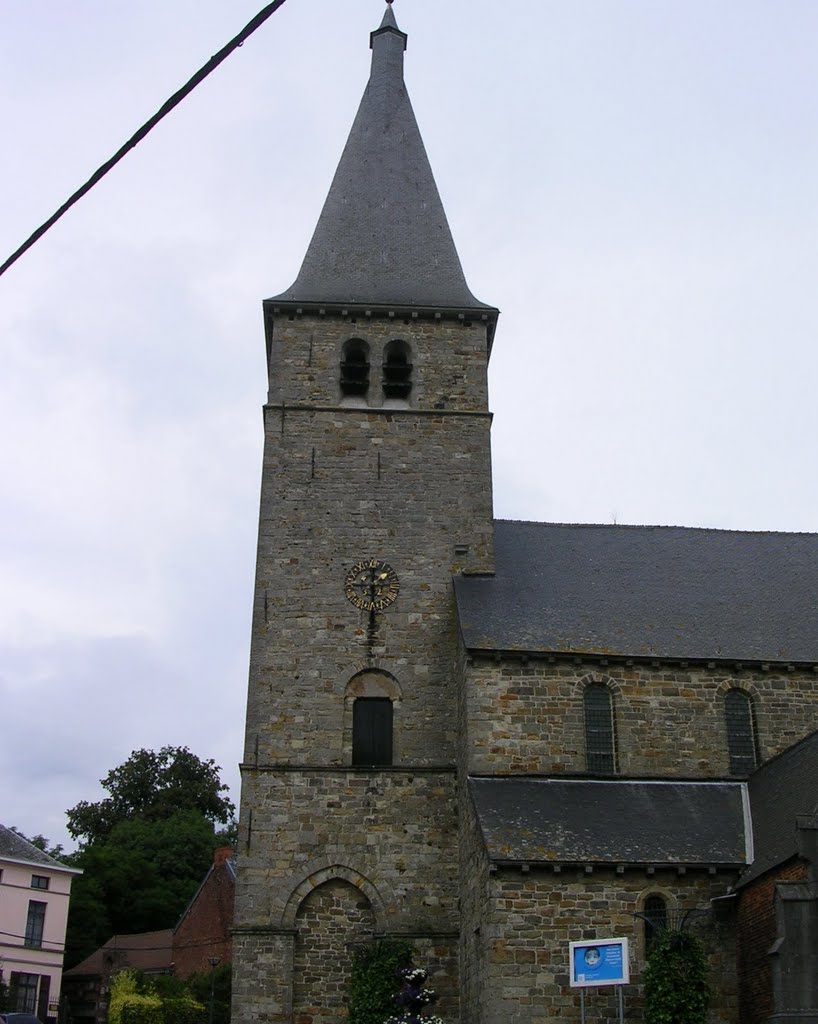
412, 998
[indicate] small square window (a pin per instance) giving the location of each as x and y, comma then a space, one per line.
40, 881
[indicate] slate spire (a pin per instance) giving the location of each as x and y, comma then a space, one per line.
383, 237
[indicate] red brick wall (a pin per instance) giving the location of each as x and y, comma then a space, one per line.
756, 934
205, 929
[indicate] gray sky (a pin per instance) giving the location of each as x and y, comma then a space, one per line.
634, 184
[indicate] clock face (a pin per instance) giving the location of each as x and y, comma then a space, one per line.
371, 585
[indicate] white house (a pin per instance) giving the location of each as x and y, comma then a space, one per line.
34, 894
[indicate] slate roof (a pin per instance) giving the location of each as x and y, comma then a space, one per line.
14, 847
145, 951
780, 790
652, 591
383, 237
588, 821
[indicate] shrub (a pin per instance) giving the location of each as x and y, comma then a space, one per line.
135, 1000
676, 987
375, 979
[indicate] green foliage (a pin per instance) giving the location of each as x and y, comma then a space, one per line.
375, 980
676, 986
146, 847
153, 786
182, 1011
129, 1005
199, 986
136, 999
140, 879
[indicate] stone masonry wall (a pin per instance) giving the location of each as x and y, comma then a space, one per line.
331, 921
531, 917
410, 484
449, 360
396, 830
527, 717
475, 889
262, 976
347, 479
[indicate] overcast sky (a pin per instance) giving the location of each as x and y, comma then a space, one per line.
634, 184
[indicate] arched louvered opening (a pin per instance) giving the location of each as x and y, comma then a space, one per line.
600, 746
742, 745
397, 370
355, 368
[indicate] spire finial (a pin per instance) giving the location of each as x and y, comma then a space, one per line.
389, 18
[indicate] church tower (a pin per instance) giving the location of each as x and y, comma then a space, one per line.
376, 489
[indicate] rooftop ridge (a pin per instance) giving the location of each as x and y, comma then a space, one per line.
662, 526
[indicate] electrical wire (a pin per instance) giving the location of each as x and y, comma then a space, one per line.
151, 123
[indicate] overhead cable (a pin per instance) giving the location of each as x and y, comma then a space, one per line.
140, 134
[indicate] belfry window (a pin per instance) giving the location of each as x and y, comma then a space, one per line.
355, 368
397, 370
372, 731
655, 918
600, 750
741, 732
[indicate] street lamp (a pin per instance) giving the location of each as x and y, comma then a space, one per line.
214, 963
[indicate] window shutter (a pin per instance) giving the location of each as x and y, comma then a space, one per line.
372, 731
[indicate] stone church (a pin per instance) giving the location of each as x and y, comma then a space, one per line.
492, 738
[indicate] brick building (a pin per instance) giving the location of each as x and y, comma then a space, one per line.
202, 933
490, 738
203, 930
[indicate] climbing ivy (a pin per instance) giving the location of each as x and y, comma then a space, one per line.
676, 986
376, 978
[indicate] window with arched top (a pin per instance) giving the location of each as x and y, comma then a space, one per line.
397, 370
655, 918
600, 746
355, 368
742, 745
372, 731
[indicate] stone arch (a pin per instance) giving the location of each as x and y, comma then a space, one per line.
326, 874
597, 677
331, 920
734, 683
368, 683
373, 683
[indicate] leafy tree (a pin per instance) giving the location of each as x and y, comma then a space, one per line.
153, 785
676, 987
146, 847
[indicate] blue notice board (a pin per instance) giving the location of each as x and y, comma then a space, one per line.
599, 962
